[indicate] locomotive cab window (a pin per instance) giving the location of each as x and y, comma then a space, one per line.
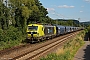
32, 27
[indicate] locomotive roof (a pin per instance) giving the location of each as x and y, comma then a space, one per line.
46, 25
60, 26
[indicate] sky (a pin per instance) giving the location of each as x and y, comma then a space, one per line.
68, 9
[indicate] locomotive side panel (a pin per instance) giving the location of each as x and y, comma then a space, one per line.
49, 31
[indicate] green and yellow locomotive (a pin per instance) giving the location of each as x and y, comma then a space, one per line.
39, 32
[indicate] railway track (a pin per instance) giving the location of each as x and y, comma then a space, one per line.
32, 52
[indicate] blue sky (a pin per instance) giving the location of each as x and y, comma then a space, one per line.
68, 9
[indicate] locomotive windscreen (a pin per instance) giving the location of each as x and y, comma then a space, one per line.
32, 27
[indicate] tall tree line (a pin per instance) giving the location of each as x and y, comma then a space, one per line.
22, 12
15, 17
4, 16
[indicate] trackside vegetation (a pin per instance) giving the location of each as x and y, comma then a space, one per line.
88, 31
69, 49
11, 37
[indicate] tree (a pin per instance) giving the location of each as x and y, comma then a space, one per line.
88, 28
27, 11
4, 16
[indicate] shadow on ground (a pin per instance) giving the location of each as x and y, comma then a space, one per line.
86, 38
87, 50
87, 53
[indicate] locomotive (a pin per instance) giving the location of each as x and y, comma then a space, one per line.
40, 32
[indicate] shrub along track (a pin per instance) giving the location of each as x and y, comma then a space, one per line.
33, 51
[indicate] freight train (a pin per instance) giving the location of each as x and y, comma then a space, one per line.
40, 32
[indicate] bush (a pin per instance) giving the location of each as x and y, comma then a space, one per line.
10, 37
1, 35
88, 28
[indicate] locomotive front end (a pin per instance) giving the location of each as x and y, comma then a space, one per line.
32, 32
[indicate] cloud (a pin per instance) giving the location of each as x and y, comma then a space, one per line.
81, 11
87, 0
65, 6
82, 6
53, 13
50, 9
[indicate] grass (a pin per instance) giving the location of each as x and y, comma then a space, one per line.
69, 49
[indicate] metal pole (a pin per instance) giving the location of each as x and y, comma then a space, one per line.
79, 22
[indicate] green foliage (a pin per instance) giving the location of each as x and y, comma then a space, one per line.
66, 22
88, 29
54, 56
27, 11
10, 37
15, 17
1, 35
4, 16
